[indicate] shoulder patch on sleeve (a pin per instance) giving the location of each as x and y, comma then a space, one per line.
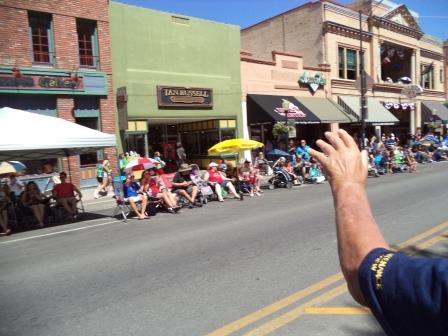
378, 267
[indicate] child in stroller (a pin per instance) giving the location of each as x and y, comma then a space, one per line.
282, 178
205, 192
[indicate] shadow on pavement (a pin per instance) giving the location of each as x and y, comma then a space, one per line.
442, 251
30, 224
353, 331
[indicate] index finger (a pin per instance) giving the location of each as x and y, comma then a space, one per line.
347, 138
319, 156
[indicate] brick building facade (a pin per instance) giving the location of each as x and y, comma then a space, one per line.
69, 43
397, 54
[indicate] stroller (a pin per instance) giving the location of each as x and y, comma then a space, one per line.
205, 192
281, 178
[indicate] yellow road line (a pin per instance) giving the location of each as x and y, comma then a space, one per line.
276, 306
296, 312
423, 235
431, 242
337, 311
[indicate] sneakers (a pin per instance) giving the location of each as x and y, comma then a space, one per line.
251, 194
257, 193
171, 210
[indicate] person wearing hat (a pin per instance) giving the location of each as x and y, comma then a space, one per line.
183, 186
214, 177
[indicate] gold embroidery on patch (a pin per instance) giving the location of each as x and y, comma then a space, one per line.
378, 267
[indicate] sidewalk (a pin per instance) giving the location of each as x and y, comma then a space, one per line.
87, 194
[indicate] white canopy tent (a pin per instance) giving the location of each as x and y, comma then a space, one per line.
30, 136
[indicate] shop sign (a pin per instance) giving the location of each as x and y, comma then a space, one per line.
314, 82
292, 112
412, 90
37, 82
399, 106
173, 96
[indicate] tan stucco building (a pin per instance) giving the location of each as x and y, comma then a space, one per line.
397, 54
268, 83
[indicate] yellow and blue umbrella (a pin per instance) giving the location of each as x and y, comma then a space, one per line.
233, 146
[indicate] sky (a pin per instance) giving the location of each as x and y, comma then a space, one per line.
244, 13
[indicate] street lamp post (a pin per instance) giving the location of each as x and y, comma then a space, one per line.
363, 85
285, 106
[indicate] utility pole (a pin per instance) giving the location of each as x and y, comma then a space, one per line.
363, 85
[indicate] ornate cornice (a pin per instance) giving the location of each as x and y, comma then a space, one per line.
393, 88
396, 27
343, 83
431, 54
339, 29
344, 11
318, 68
403, 10
256, 60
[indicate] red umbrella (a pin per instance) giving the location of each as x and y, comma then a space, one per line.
141, 164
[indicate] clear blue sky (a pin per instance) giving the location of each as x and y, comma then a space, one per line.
433, 13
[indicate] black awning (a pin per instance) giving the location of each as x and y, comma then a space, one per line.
433, 111
266, 108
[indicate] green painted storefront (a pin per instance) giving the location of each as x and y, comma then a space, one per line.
151, 49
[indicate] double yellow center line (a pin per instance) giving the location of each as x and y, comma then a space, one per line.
309, 307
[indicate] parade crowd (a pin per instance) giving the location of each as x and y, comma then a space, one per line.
152, 190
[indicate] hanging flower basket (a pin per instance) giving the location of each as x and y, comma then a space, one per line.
280, 129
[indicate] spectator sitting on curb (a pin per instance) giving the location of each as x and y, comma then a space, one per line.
407, 295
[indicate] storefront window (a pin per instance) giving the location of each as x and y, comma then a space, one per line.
88, 158
227, 134
348, 63
190, 141
427, 73
395, 63
208, 139
135, 143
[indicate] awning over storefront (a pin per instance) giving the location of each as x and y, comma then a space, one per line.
377, 113
266, 108
326, 110
434, 111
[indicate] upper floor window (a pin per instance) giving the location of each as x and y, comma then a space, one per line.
348, 63
41, 37
87, 43
442, 75
427, 74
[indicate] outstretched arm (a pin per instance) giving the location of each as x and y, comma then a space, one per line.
356, 229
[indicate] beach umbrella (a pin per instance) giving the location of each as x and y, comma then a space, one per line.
7, 168
140, 164
233, 146
19, 166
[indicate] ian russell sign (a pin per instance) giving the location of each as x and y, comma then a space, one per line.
173, 96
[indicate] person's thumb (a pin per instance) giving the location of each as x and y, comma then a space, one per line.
364, 159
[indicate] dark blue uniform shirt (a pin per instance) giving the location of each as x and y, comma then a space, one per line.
407, 295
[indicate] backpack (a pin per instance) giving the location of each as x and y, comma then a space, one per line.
99, 170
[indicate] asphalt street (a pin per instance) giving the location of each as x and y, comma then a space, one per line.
267, 265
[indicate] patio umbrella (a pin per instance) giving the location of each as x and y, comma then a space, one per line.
141, 164
233, 146
278, 152
19, 166
6, 168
